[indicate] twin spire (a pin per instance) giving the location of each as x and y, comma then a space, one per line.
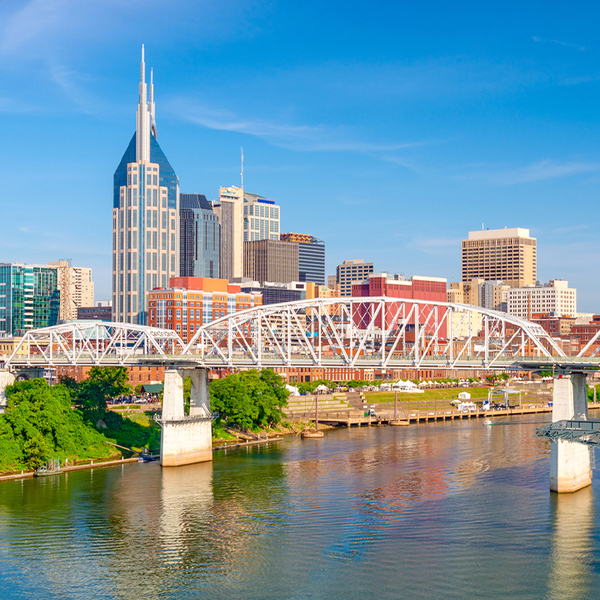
145, 116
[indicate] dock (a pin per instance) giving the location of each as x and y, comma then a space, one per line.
359, 419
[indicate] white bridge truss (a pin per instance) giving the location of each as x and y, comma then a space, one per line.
87, 343
370, 332
367, 332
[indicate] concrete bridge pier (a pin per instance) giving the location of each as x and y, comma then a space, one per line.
570, 462
6, 378
185, 439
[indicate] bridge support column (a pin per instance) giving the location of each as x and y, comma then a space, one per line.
6, 378
570, 462
199, 397
185, 439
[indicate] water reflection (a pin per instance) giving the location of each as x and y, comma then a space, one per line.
449, 510
572, 556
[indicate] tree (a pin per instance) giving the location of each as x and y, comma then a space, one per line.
101, 383
40, 424
249, 399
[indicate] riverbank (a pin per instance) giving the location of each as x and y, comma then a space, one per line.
82, 467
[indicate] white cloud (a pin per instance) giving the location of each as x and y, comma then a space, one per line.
315, 138
540, 40
539, 171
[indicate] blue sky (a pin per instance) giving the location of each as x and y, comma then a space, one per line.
387, 129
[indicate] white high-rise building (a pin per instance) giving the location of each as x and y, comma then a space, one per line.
145, 216
555, 298
244, 217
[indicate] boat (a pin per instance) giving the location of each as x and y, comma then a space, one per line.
145, 456
51, 468
488, 422
311, 434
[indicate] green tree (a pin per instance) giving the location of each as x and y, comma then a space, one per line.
249, 399
101, 383
40, 424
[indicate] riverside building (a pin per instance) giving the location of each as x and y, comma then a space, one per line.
145, 227
190, 302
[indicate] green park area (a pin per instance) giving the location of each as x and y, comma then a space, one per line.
439, 398
72, 421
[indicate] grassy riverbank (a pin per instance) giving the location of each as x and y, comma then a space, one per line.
436, 397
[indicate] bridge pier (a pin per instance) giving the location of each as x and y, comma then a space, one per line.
570, 462
6, 378
185, 439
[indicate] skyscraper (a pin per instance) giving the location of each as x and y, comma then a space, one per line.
507, 255
199, 237
145, 216
311, 256
244, 217
271, 260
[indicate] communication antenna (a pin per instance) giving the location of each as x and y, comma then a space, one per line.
242, 167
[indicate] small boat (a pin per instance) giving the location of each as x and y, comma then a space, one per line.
311, 434
145, 456
51, 468
488, 422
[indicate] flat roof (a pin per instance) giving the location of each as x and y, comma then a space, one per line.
488, 234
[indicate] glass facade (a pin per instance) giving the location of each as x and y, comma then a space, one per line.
29, 298
145, 216
199, 238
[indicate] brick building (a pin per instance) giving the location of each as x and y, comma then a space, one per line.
190, 302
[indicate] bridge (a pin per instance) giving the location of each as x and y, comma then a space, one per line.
363, 332
369, 332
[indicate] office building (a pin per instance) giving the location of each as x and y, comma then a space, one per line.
275, 293
432, 289
494, 295
555, 297
29, 298
145, 217
102, 311
349, 271
244, 217
507, 255
199, 237
261, 218
271, 260
76, 289
311, 256
190, 302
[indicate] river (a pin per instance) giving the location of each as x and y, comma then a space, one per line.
446, 510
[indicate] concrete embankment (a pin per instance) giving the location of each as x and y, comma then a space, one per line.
90, 465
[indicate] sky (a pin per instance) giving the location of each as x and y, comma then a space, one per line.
388, 129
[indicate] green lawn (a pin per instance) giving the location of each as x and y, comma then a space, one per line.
436, 397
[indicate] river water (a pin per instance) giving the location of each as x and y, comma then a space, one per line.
447, 510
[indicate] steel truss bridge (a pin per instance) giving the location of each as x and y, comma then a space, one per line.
575, 430
369, 332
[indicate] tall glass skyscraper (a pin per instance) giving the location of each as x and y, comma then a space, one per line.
145, 217
200, 237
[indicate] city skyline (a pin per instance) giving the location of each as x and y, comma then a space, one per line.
401, 144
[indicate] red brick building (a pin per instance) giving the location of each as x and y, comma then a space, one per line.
190, 302
418, 288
